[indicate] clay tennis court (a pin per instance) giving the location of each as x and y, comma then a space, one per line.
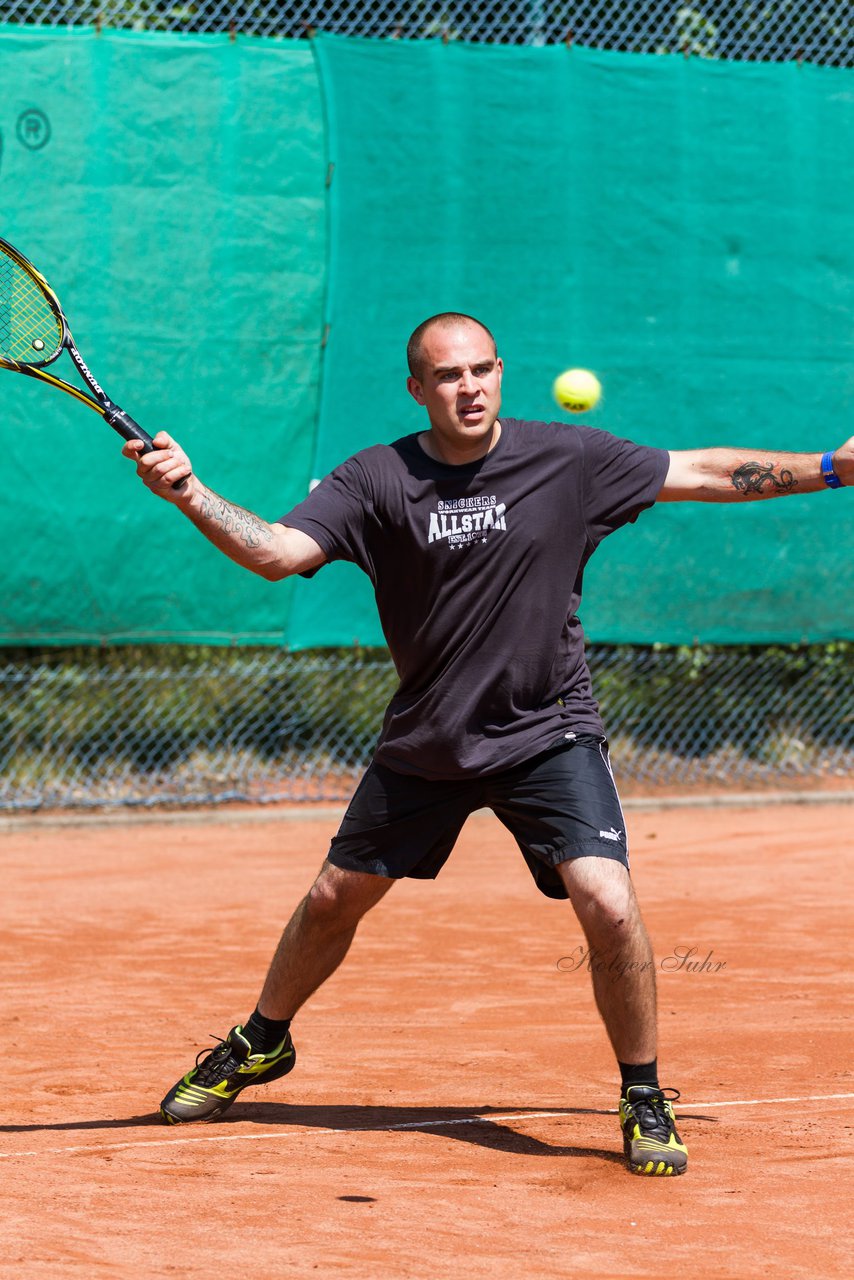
452, 1113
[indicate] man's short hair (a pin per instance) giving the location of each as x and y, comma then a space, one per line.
444, 320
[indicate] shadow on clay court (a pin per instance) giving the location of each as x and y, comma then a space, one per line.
461, 1124
312, 1117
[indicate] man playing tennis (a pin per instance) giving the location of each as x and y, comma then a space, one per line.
475, 534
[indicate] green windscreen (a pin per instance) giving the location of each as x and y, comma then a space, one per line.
682, 227
244, 233
171, 190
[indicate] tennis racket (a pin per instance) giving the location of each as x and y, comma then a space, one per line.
34, 332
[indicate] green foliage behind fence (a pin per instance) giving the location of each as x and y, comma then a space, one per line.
195, 725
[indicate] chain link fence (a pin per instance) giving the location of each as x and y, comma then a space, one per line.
177, 725
182, 726
768, 30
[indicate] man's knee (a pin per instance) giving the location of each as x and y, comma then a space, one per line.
602, 894
342, 897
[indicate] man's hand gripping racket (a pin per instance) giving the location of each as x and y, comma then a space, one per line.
34, 332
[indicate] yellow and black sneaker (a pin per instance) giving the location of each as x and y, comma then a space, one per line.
650, 1140
210, 1088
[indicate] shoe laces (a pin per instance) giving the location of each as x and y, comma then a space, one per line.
652, 1112
218, 1065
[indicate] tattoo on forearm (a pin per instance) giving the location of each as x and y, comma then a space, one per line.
754, 477
234, 520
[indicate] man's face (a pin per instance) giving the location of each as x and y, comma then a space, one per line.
460, 387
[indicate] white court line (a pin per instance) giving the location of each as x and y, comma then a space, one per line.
758, 1102
278, 1135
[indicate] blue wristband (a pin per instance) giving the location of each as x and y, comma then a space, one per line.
831, 479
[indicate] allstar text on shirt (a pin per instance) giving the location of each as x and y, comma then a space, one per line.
461, 520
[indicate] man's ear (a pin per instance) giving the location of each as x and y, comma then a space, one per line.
413, 386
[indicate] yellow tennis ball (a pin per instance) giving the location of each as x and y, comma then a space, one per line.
577, 390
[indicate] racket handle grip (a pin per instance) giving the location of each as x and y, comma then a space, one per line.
127, 428
124, 424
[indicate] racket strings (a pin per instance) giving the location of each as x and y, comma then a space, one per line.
30, 333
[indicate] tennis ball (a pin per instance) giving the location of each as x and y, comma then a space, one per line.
577, 390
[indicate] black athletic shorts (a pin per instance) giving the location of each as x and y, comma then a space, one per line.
559, 805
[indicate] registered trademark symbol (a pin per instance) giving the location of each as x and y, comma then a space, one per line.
33, 129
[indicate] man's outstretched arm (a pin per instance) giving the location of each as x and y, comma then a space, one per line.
270, 550
733, 475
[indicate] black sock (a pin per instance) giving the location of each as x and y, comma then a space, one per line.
645, 1073
265, 1034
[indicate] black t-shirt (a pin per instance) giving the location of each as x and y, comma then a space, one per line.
477, 571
